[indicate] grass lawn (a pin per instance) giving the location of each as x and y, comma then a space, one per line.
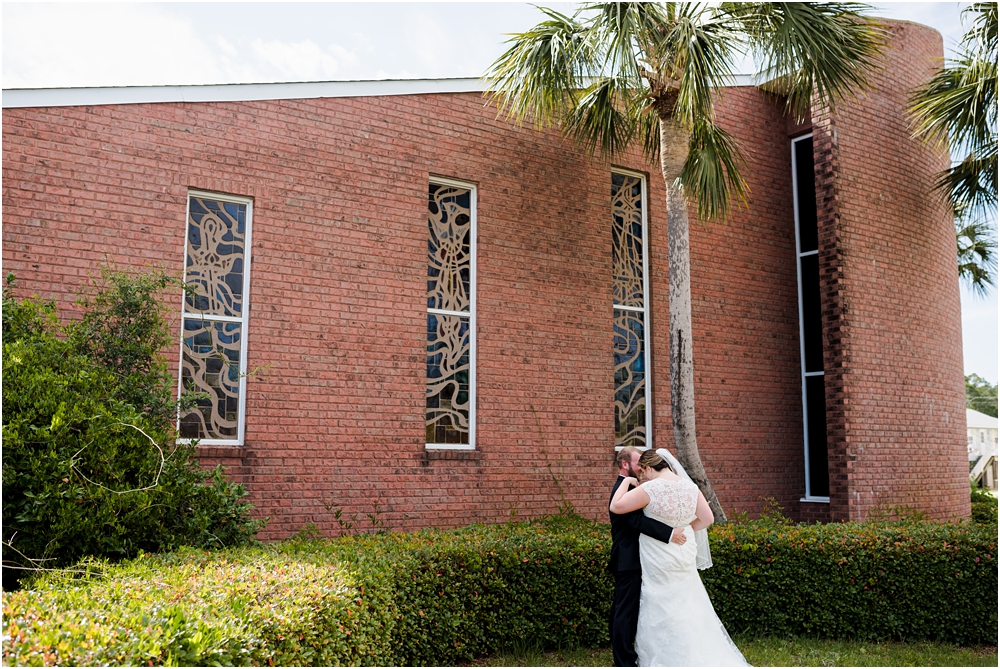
771, 652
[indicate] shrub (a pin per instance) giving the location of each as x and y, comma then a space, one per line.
253, 606
902, 580
984, 507
460, 594
123, 330
432, 597
446, 596
90, 464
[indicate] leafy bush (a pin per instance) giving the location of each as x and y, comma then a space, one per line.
903, 580
445, 596
90, 463
432, 597
123, 330
253, 606
984, 507
460, 594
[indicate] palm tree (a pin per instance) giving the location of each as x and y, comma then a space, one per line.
616, 74
959, 105
977, 260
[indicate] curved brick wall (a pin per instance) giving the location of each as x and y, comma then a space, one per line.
892, 316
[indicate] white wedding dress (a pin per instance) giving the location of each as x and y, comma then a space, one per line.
678, 626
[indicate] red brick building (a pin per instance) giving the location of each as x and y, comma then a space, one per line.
458, 318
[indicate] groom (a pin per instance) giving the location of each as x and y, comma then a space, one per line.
624, 564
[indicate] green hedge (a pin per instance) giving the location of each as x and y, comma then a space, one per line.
463, 593
432, 597
907, 580
446, 596
241, 607
984, 507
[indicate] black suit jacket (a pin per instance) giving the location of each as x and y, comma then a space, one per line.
625, 531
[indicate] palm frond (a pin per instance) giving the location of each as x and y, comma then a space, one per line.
982, 36
977, 261
958, 106
608, 74
972, 183
712, 172
623, 29
648, 128
543, 70
819, 52
599, 121
696, 53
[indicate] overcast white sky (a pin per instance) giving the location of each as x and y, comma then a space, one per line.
129, 44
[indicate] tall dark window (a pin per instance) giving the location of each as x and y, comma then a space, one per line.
810, 321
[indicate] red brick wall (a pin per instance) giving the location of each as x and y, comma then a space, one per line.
892, 317
745, 321
337, 303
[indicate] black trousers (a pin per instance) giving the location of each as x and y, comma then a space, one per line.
625, 617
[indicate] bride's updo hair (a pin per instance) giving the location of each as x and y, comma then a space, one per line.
653, 460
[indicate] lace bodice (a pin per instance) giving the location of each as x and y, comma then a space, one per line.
673, 502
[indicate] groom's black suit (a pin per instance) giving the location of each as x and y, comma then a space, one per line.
625, 565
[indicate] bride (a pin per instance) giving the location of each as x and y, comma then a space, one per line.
677, 625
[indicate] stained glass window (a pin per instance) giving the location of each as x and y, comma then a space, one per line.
213, 348
450, 315
628, 265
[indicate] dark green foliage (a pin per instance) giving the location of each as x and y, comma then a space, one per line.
90, 467
124, 331
984, 507
903, 580
461, 594
446, 596
980, 395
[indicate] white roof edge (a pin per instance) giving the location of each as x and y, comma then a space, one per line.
978, 420
124, 95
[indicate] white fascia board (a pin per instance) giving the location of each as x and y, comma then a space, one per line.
73, 97
124, 95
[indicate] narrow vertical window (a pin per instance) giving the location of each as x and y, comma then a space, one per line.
631, 317
810, 322
451, 315
214, 317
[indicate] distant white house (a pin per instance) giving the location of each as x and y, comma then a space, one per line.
982, 433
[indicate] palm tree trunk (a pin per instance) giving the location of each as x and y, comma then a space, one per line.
673, 152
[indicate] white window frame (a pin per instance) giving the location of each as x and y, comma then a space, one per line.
242, 320
799, 255
645, 310
473, 234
